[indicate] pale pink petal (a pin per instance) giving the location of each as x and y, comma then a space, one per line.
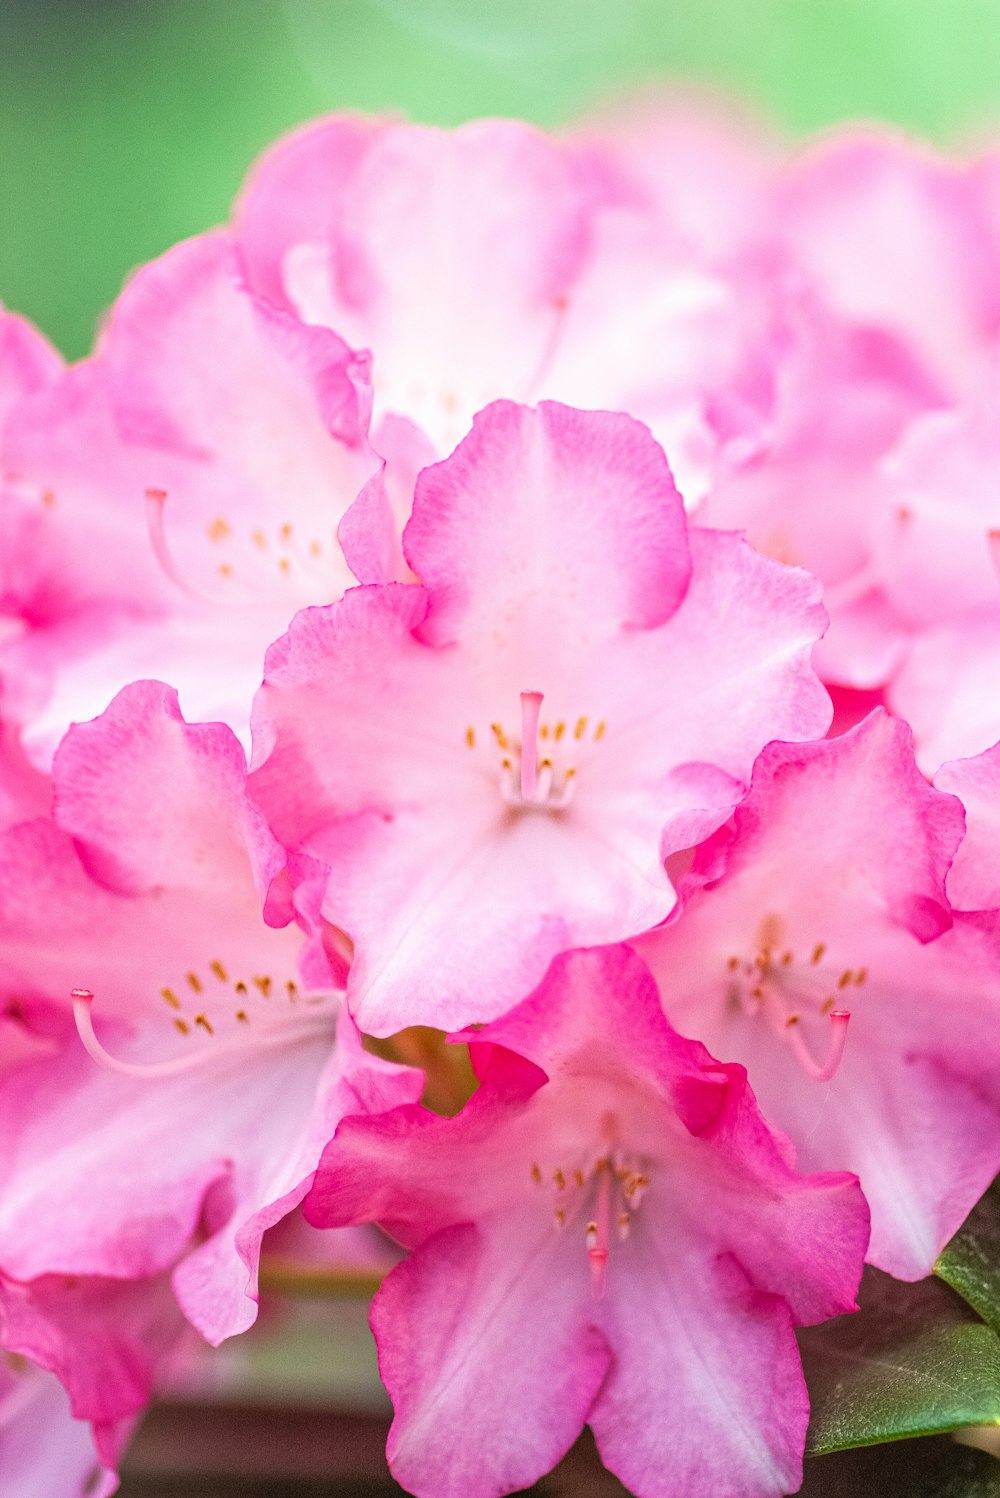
947, 690
896, 237
449, 254
27, 361
554, 517
974, 877
43, 1449
252, 425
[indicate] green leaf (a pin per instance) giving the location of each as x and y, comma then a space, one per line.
971, 1262
915, 1360
930, 1468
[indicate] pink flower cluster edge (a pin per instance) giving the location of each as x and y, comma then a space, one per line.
526, 606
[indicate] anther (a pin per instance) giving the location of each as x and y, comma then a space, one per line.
193, 981
170, 997
218, 970
818, 950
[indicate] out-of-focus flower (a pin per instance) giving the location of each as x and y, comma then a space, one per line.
165, 516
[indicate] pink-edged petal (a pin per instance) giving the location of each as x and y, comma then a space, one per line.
103, 1338
200, 830
253, 426
464, 1379
519, 521
392, 761
974, 876
711, 1388
732, 667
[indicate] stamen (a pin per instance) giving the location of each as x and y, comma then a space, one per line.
598, 1233
839, 1020
83, 998
155, 501
531, 707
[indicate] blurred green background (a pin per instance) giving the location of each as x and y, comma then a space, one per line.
124, 126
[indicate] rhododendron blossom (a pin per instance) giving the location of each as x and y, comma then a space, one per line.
165, 517
622, 1180
482, 762
208, 1027
764, 964
473, 475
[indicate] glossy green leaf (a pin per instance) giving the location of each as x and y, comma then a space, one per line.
931, 1468
915, 1360
971, 1262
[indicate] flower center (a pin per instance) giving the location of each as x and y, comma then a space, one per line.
232, 1013
794, 992
246, 563
601, 1193
537, 769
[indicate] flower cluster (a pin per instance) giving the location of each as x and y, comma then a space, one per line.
532, 507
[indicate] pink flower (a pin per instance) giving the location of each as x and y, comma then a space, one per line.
937, 562
609, 1233
492, 261
170, 513
493, 766
219, 1081
826, 899
897, 238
